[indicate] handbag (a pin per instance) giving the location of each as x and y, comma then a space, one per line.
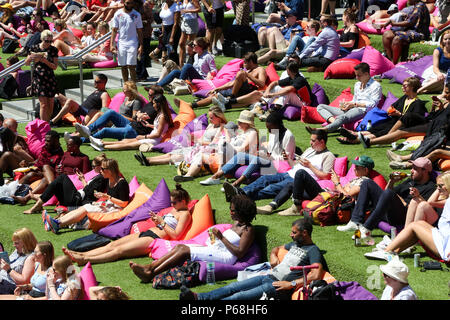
186, 274
179, 87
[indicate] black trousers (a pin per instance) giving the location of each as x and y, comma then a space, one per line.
64, 190
304, 187
144, 61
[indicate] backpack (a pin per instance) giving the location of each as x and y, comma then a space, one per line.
322, 209
89, 242
186, 274
8, 86
321, 290
10, 45
435, 141
238, 40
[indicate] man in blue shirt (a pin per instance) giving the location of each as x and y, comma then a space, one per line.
296, 6
324, 49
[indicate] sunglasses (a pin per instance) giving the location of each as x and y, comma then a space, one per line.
103, 169
440, 186
48, 41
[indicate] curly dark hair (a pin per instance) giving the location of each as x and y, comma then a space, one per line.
245, 208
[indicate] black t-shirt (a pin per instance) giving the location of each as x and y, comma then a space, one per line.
120, 191
98, 183
297, 256
139, 127
425, 189
299, 82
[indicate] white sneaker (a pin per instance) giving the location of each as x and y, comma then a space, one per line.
384, 243
366, 236
67, 136
218, 103
210, 182
83, 130
379, 254
221, 98
350, 226
96, 143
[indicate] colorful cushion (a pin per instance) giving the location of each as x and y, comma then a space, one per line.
99, 220
356, 54
377, 62
185, 115
363, 40
341, 69
159, 200
160, 247
292, 112
272, 73
409, 69
390, 99
179, 141
345, 95
118, 99
88, 280
281, 165
444, 165
144, 225
375, 115
224, 271
367, 27
77, 32
340, 166
198, 124
36, 131
319, 95
201, 93
238, 173
104, 64
224, 75
310, 115
133, 185
401, 4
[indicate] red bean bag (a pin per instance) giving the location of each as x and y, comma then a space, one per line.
310, 115
341, 69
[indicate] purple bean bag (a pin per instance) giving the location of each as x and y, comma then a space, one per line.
201, 27
159, 200
203, 93
386, 227
319, 96
198, 124
408, 69
390, 99
230, 271
238, 173
292, 112
353, 291
356, 54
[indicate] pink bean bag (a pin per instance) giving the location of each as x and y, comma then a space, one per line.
104, 64
224, 75
377, 62
36, 131
118, 99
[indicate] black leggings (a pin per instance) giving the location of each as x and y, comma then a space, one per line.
64, 190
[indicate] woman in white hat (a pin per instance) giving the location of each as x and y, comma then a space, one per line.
395, 275
246, 140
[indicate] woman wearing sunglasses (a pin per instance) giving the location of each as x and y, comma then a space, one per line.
169, 226
115, 198
45, 58
227, 247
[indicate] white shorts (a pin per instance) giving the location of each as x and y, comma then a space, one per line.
189, 26
218, 254
127, 56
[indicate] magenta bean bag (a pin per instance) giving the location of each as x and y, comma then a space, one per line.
224, 75
104, 64
118, 99
377, 62
36, 131
369, 29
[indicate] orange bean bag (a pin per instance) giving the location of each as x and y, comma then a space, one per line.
185, 115
415, 138
444, 164
99, 220
202, 218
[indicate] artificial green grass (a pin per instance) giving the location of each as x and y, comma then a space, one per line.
346, 262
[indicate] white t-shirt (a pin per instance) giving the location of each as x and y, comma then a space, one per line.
287, 144
407, 293
323, 161
127, 24
167, 14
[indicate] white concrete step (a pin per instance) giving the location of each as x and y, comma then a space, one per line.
20, 109
19, 118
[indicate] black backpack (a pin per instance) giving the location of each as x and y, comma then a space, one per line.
10, 45
8, 86
321, 290
238, 40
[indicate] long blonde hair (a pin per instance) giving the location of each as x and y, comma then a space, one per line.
27, 237
217, 112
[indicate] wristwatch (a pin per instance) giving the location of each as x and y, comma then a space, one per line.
293, 284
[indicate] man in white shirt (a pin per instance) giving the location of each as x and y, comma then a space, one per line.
128, 23
315, 164
367, 94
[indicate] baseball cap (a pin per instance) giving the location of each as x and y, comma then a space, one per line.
364, 161
422, 162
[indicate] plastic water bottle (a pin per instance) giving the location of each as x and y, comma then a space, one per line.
210, 271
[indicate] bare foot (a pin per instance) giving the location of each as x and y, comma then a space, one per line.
22, 200
68, 253
141, 273
31, 211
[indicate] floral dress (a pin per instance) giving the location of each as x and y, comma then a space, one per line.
44, 80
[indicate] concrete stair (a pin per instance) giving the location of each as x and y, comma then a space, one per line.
22, 110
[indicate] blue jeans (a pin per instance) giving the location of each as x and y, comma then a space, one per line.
187, 72
297, 43
267, 187
254, 164
121, 129
250, 289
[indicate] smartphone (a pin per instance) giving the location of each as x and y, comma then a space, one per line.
4, 255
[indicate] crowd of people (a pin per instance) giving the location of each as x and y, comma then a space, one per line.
415, 203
